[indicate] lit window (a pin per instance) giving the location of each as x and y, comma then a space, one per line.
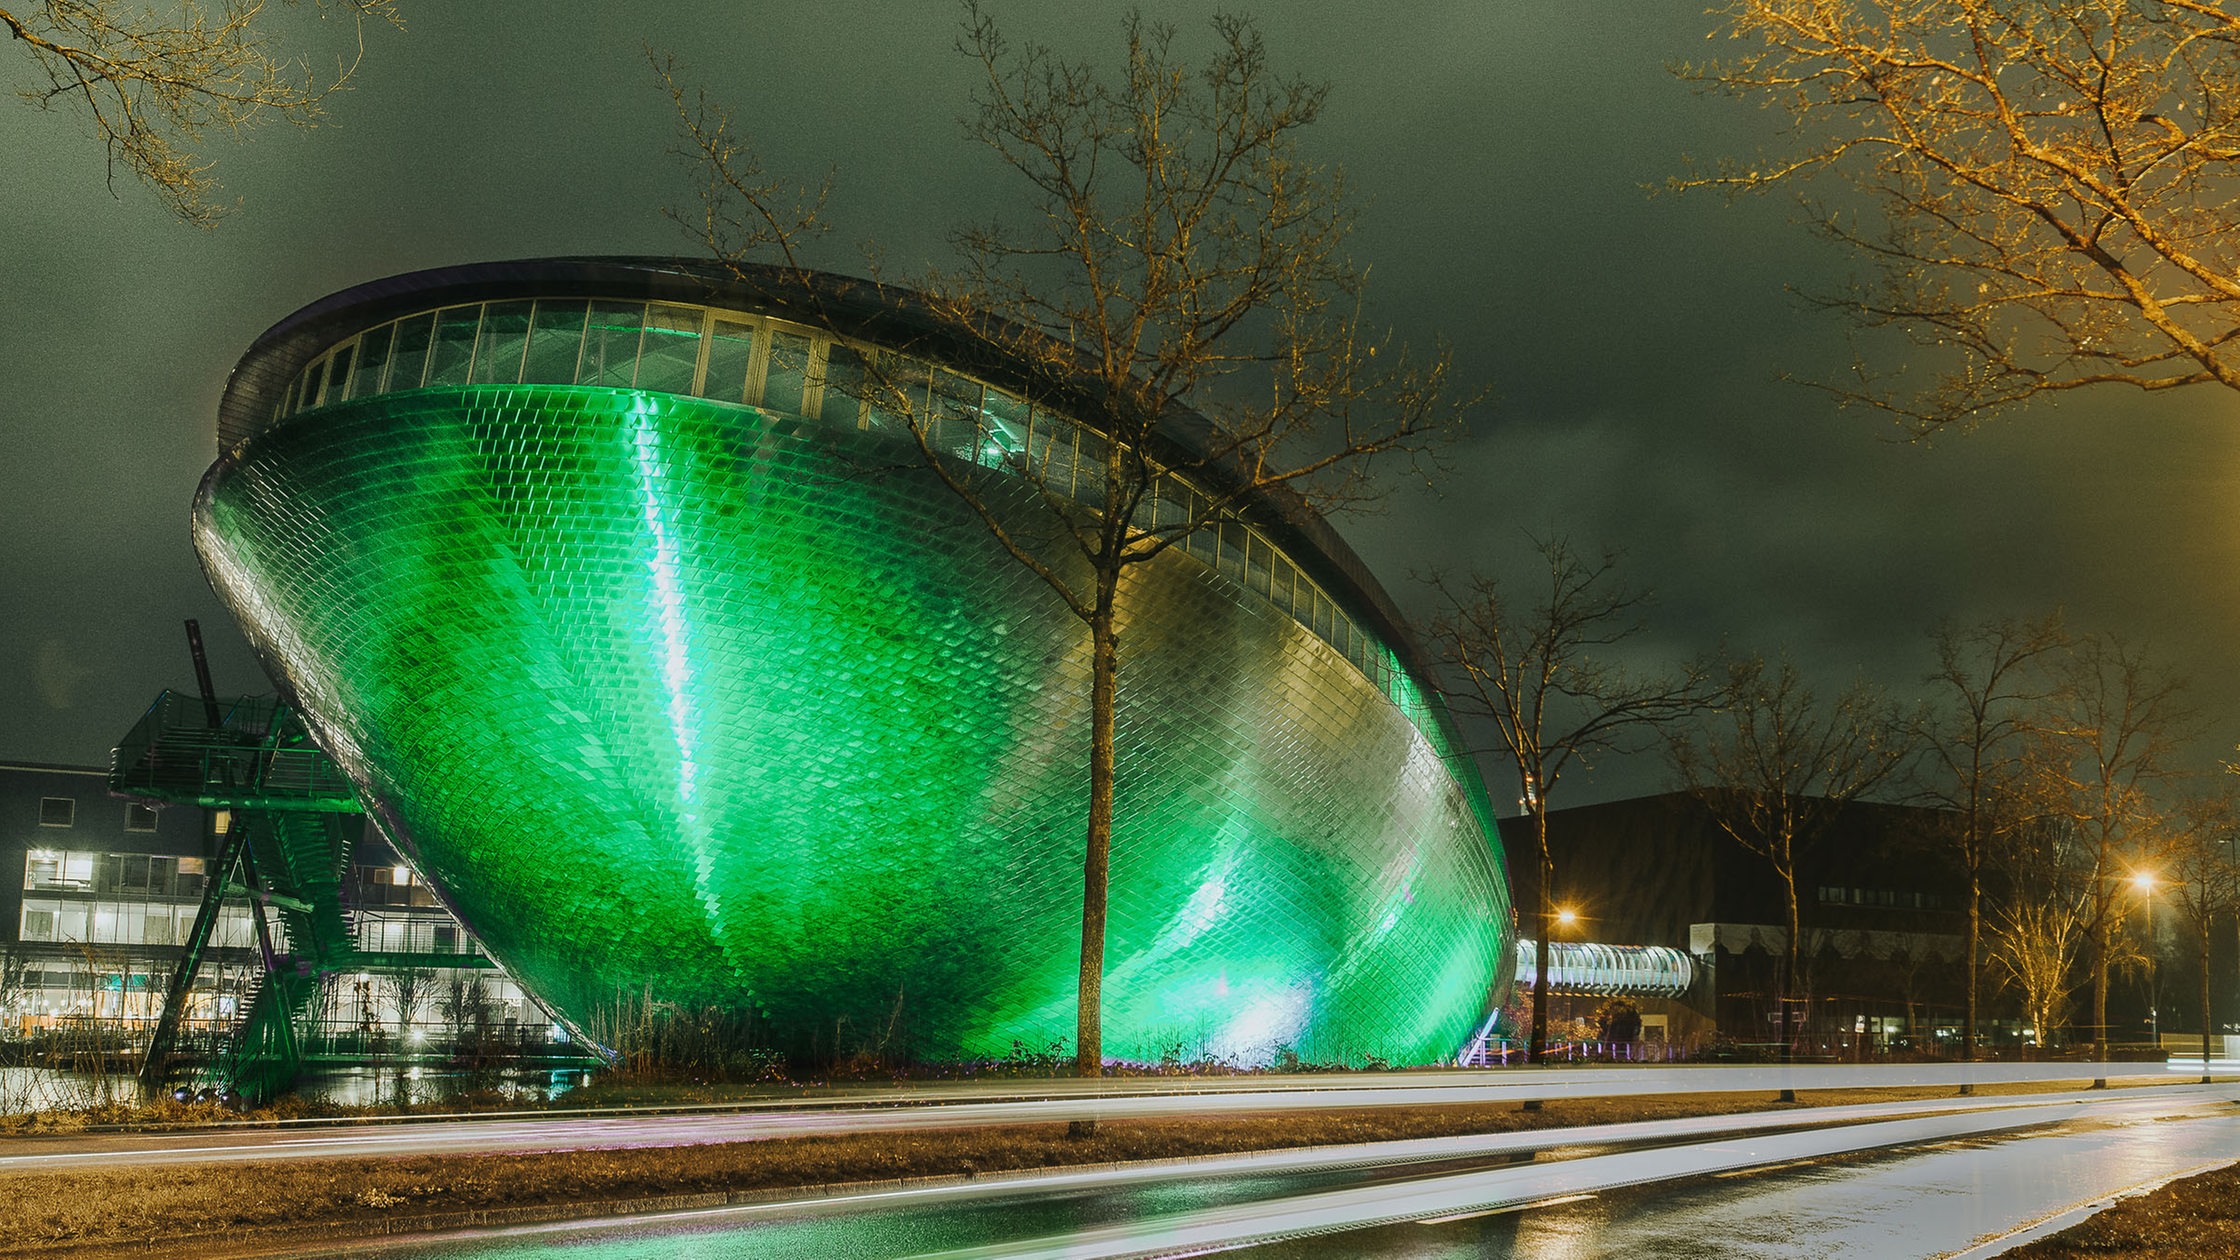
555, 343
730, 353
373, 356
670, 356
454, 345
313, 381
786, 380
338, 375
410, 357
610, 346
505, 331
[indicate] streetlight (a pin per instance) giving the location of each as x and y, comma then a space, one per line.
2144, 882
1566, 918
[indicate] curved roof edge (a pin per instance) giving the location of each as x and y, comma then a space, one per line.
885, 315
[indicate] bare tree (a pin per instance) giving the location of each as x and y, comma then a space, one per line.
467, 1012
1777, 769
2112, 729
2038, 926
411, 989
15, 993
2043, 186
1176, 291
156, 85
1539, 671
1989, 679
2201, 870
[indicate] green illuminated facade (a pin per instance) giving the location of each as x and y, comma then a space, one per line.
674, 671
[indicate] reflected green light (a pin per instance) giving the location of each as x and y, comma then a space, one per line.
681, 697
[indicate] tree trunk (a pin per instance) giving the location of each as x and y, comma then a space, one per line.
2206, 1022
1096, 853
1536, 1048
1974, 974
1088, 1059
1789, 972
1788, 980
2100, 944
1973, 971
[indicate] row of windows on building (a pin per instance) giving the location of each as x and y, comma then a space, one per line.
387, 886
70, 921
45, 997
126, 874
412, 934
62, 811
1885, 898
738, 358
385, 898
49, 998
155, 875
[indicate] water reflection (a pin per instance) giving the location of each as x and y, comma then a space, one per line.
29, 1089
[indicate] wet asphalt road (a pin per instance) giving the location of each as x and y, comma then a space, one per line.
1924, 1200
990, 1103
1967, 1197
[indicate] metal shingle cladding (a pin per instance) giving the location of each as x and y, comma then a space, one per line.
676, 696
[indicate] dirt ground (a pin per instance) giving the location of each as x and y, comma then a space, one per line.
221, 1209
2194, 1219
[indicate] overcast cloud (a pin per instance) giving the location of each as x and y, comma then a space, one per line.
1633, 343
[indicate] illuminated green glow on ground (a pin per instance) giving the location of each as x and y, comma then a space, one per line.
671, 693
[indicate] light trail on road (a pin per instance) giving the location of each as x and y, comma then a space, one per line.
1965, 1200
888, 1111
1189, 1206
1449, 1198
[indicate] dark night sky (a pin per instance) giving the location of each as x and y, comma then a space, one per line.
1633, 342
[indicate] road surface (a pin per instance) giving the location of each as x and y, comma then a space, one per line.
1926, 1186
994, 1103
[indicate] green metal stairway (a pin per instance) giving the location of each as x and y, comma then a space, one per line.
289, 820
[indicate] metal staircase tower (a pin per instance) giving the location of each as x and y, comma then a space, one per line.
284, 820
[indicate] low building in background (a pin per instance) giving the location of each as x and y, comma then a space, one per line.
1882, 905
98, 895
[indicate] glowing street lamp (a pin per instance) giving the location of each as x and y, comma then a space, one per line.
2144, 883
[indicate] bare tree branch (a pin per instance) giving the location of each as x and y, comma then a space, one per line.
2201, 877
1776, 769
1989, 684
2108, 736
1535, 669
2047, 186
155, 87
1176, 290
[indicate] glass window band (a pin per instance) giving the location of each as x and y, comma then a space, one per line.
735, 357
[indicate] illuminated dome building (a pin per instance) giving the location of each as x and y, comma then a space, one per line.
668, 663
